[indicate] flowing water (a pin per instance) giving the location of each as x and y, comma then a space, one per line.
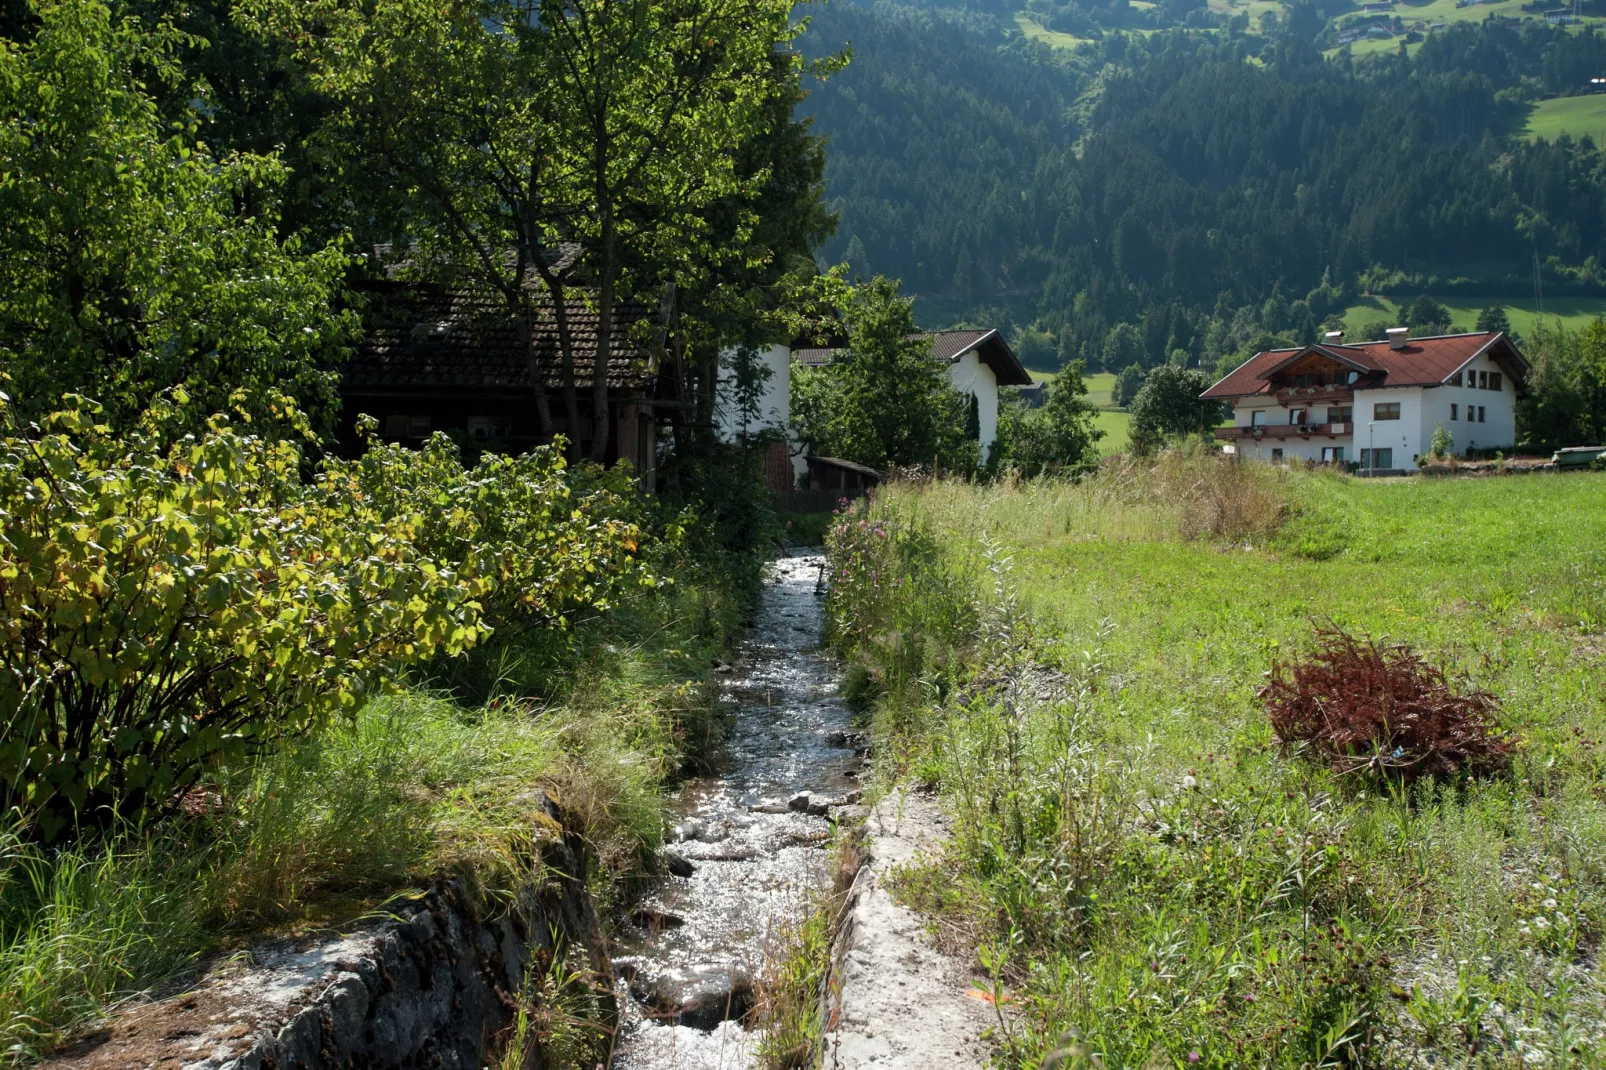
690, 952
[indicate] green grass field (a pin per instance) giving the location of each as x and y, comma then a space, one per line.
1422, 16
1576, 116
1573, 313
1147, 874
1047, 36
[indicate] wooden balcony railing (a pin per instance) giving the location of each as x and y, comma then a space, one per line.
1314, 395
1281, 431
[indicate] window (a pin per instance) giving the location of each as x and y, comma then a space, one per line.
1276, 456
401, 425
1452, 410
1377, 458
1352, 376
1257, 418
1301, 380
483, 428
1454, 380
1296, 416
1332, 454
1386, 410
1339, 414
1483, 380
1480, 414
1494, 380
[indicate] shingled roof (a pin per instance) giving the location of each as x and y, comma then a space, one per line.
426, 337
949, 347
1421, 362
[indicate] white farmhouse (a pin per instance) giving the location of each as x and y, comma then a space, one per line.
1374, 403
762, 403
979, 362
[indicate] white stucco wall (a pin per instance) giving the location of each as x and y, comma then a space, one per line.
1498, 430
775, 404
970, 376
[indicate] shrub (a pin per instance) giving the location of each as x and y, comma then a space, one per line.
167, 608
1364, 706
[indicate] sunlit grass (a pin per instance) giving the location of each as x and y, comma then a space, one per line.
1572, 313
1144, 865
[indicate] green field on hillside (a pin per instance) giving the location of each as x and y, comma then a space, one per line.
1137, 860
1572, 313
1047, 36
1578, 116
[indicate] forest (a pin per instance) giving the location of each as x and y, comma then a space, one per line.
1202, 191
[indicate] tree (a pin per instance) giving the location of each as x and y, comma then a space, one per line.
516, 128
1127, 385
1493, 318
133, 259
1060, 436
884, 400
1427, 316
1169, 405
1123, 345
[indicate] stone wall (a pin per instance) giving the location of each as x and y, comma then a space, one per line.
429, 981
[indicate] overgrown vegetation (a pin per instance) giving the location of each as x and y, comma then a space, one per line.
1146, 875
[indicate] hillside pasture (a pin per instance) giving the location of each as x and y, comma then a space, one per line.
1577, 117
1573, 313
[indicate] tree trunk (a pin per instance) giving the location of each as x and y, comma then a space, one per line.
532, 364
600, 424
571, 401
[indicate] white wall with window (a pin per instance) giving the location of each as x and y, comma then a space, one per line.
1478, 407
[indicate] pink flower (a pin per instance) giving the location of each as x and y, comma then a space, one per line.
1194, 1056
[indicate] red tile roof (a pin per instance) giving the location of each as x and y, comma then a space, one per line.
1423, 362
423, 337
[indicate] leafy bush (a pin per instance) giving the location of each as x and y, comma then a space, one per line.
169, 608
1381, 709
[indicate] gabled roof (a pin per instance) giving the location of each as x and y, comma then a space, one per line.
425, 337
1422, 362
949, 346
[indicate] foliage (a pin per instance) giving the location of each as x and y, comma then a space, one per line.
1127, 385
1493, 318
1169, 405
173, 608
513, 127
1442, 444
1058, 436
1565, 398
1427, 317
883, 400
537, 538
1380, 709
133, 258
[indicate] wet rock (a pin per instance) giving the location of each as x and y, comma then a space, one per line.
806, 803
626, 967
846, 740
852, 797
699, 830
771, 806
698, 996
655, 920
727, 854
850, 814
678, 865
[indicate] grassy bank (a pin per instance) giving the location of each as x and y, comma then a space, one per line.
444, 776
1150, 875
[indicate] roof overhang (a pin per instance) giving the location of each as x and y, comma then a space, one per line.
1504, 352
993, 351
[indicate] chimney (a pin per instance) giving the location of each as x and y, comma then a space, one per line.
1333, 338
1398, 337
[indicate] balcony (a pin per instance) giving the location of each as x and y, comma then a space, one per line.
1314, 395
1282, 431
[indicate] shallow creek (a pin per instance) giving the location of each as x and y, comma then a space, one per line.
690, 952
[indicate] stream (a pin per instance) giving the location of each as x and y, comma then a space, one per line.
745, 861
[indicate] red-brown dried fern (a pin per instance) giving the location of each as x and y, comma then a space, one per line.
1382, 709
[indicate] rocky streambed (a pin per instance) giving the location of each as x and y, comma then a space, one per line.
750, 844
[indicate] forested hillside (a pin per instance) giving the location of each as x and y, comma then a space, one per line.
1205, 188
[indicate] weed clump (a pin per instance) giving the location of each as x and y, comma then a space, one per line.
1383, 710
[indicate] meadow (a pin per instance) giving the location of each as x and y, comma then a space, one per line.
1582, 116
1573, 313
1113, 421
1145, 874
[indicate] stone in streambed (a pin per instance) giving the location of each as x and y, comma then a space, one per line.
805, 803
653, 919
678, 865
698, 996
770, 806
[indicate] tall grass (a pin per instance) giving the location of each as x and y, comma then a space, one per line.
1140, 865
448, 776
